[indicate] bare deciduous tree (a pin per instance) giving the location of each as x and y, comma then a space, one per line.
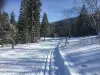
93, 7
67, 13
93, 12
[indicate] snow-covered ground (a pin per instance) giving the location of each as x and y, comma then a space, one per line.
52, 57
28, 59
82, 56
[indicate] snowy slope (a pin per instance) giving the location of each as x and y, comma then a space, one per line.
82, 56
28, 59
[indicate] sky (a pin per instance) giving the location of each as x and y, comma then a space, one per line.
53, 8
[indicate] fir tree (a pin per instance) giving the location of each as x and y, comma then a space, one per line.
21, 23
82, 23
45, 31
12, 35
36, 18
29, 20
4, 27
1, 6
12, 18
4, 23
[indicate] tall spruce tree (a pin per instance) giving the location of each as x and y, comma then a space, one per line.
82, 23
13, 30
12, 18
4, 27
36, 18
45, 30
22, 23
33, 19
4, 24
29, 20
1, 6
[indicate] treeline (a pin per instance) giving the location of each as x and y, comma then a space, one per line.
26, 30
74, 27
29, 29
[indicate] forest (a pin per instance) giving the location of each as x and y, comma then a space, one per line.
29, 28
36, 40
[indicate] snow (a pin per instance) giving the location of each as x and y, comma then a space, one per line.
82, 56
28, 59
52, 57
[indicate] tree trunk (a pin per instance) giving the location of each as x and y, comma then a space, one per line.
44, 38
53, 37
69, 35
66, 42
13, 43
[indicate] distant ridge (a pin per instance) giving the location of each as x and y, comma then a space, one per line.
68, 21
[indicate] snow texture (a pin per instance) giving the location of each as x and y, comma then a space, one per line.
81, 56
29, 59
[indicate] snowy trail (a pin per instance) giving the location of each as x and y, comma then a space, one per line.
31, 59
59, 62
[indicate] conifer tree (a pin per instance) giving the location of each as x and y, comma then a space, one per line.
82, 23
33, 19
1, 6
4, 27
21, 22
12, 35
29, 20
45, 31
36, 20
12, 18
13, 30
4, 23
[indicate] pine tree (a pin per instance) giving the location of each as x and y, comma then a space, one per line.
33, 19
4, 23
21, 22
4, 27
36, 13
29, 20
12, 34
1, 6
82, 23
12, 18
7, 31
45, 31
12, 31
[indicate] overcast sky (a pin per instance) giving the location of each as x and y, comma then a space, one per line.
53, 8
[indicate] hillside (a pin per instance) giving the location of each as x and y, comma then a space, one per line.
69, 21
70, 27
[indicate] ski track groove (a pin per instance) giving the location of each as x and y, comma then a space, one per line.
46, 67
